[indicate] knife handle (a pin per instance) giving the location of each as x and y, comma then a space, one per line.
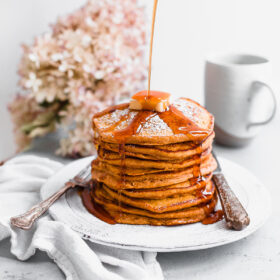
236, 216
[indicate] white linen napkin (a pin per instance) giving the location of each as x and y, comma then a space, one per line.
20, 181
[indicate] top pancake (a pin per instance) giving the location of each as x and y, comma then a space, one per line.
186, 121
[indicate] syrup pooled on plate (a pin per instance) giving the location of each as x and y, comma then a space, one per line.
94, 208
213, 217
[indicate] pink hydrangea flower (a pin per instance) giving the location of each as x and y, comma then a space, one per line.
89, 60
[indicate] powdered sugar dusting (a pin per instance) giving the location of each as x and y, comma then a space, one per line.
106, 121
191, 110
116, 115
110, 119
127, 121
155, 126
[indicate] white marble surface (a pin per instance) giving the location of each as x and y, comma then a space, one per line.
256, 257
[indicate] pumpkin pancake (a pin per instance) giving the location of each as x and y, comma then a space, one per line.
129, 162
194, 217
160, 179
114, 156
157, 128
163, 152
126, 214
134, 171
166, 204
161, 205
168, 191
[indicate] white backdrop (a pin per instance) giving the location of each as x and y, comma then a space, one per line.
186, 32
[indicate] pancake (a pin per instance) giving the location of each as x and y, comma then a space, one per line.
162, 152
125, 218
155, 128
161, 205
142, 148
130, 215
168, 191
135, 171
110, 155
161, 179
129, 162
114, 205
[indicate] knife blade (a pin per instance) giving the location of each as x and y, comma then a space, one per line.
235, 214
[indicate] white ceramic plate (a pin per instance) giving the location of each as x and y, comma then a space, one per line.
70, 210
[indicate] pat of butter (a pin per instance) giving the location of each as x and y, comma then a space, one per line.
154, 101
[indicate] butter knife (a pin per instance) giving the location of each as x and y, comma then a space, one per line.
235, 215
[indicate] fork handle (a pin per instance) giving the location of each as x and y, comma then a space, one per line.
26, 220
236, 216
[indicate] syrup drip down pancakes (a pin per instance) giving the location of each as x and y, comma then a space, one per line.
154, 167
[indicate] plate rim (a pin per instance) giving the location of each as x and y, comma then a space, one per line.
166, 249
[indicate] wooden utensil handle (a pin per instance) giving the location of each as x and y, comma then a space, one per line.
236, 216
26, 220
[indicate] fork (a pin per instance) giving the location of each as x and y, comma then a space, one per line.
26, 220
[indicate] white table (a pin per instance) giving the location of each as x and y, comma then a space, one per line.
256, 257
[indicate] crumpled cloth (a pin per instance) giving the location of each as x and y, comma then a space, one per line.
20, 181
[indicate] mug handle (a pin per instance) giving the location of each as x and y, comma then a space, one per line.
262, 84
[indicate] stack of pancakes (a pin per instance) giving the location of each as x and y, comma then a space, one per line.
154, 168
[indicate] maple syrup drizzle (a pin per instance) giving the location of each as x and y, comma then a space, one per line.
111, 110
201, 182
213, 217
155, 96
95, 209
175, 119
122, 135
203, 193
151, 45
116, 124
150, 100
122, 175
134, 127
180, 124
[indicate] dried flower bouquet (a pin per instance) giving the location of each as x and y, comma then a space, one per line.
89, 60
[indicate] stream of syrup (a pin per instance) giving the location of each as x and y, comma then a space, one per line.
151, 45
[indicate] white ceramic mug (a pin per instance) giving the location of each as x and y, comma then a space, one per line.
239, 94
